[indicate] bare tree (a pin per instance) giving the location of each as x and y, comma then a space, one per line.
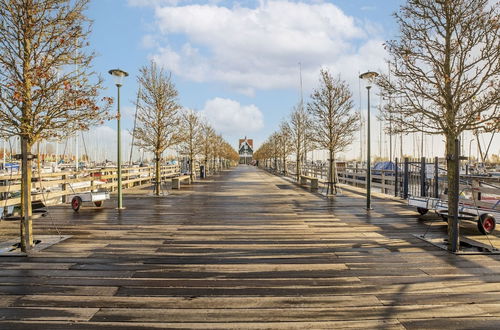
300, 127
191, 132
157, 115
217, 143
284, 145
334, 123
47, 86
207, 140
264, 153
229, 154
445, 76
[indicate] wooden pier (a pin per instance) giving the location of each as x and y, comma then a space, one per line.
246, 250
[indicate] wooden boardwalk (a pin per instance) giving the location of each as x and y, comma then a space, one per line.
245, 250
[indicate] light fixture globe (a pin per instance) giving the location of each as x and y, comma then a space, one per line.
369, 77
118, 75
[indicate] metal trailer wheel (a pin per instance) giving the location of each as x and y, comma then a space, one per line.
76, 203
486, 223
422, 210
98, 203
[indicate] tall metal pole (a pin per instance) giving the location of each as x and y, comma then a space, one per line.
4, 150
368, 159
119, 153
76, 152
470, 156
390, 138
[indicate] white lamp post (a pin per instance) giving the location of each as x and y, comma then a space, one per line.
119, 75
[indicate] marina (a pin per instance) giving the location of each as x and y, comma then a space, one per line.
277, 164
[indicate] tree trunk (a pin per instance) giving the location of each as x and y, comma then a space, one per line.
26, 223
298, 166
329, 191
334, 174
157, 176
285, 169
453, 191
192, 174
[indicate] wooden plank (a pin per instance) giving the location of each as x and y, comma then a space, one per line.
241, 253
46, 314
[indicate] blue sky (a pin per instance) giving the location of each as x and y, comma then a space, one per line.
237, 61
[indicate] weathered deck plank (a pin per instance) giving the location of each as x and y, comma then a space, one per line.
246, 250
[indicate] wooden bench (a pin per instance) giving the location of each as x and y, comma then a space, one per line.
176, 181
314, 181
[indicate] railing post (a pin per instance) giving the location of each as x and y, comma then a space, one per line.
436, 177
476, 194
64, 188
382, 174
92, 181
396, 178
422, 177
405, 179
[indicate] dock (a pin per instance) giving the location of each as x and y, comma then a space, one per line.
247, 250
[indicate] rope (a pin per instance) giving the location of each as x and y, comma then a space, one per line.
85, 147
45, 202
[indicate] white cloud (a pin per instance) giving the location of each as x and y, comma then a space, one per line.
258, 48
230, 117
148, 41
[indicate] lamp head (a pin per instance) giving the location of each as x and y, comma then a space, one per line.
369, 77
118, 75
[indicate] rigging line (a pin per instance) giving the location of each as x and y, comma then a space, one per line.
489, 145
135, 123
360, 121
45, 199
85, 147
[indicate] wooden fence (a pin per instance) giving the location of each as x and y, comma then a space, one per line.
419, 177
50, 186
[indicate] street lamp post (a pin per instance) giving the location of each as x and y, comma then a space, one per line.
119, 75
369, 77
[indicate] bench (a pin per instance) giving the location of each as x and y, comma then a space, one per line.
176, 181
314, 181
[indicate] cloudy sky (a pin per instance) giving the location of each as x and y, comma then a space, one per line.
238, 61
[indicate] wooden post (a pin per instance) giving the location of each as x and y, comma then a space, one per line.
423, 193
406, 179
64, 188
436, 177
382, 174
476, 194
396, 178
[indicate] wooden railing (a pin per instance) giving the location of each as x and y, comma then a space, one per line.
385, 181
59, 184
481, 191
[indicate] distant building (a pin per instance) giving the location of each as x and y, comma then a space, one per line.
245, 150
